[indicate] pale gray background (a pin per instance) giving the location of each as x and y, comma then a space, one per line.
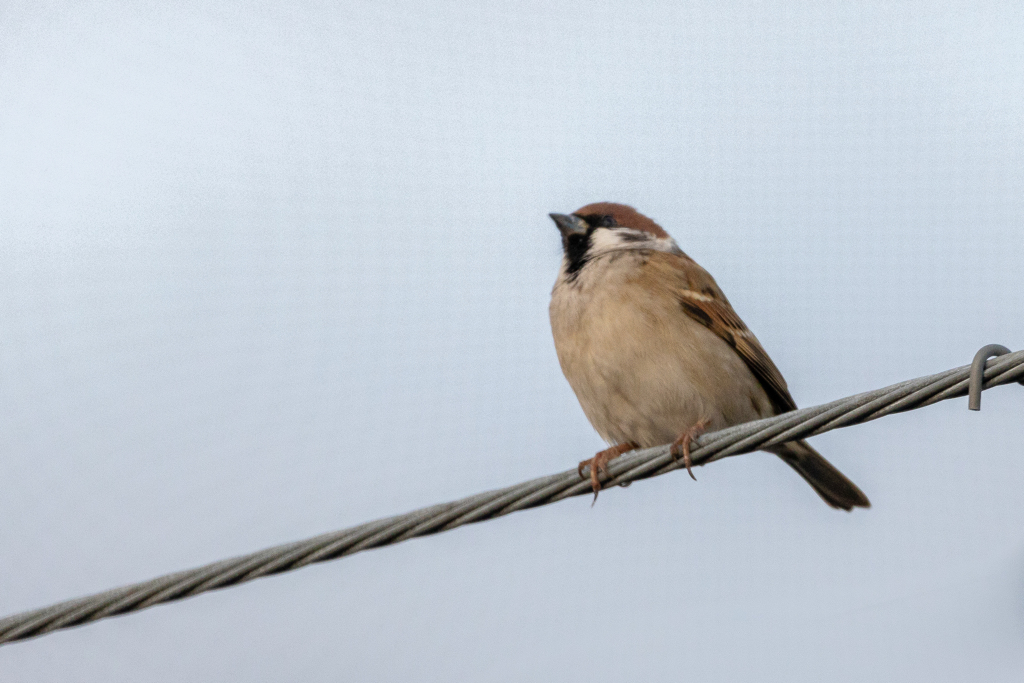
269, 270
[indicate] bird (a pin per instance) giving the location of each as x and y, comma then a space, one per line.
655, 352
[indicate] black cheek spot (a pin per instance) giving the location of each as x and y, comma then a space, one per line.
635, 237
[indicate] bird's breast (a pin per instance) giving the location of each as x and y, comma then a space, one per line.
642, 369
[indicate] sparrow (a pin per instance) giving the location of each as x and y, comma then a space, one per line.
656, 354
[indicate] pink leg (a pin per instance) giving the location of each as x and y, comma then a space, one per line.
682, 444
598, 462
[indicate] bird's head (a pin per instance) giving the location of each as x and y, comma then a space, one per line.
604, 227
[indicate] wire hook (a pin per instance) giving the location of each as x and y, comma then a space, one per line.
978, 373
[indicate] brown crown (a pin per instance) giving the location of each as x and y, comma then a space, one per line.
626, 216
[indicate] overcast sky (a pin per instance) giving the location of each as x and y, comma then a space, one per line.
273, 269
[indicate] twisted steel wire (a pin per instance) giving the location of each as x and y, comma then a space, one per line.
631, 467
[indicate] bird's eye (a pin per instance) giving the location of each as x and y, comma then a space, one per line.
600, 220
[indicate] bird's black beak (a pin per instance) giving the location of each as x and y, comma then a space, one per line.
569, 225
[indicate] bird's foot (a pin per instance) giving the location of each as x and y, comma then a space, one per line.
681, 446
598, 462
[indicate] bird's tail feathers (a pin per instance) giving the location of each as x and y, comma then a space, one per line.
831, 484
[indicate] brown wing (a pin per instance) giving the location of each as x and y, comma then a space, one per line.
700, 297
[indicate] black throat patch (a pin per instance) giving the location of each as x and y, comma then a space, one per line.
576, 246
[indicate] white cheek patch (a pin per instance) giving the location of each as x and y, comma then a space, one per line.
604, 240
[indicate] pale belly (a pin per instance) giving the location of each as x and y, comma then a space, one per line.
645, 372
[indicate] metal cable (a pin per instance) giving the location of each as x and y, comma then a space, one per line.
622, 471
